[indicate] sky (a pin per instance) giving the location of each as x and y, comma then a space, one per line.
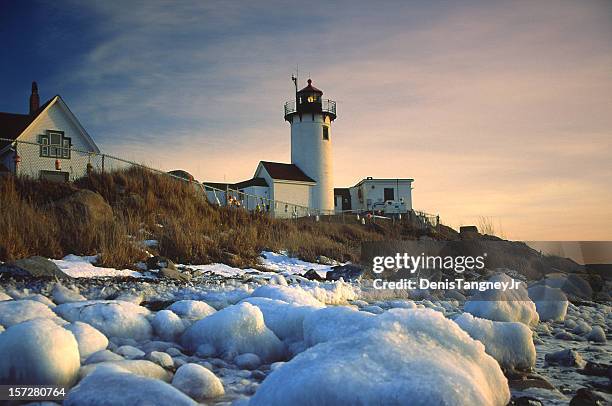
497, 109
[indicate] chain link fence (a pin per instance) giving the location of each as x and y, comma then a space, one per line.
63, 163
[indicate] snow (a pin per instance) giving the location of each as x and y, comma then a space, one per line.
334, 293
4, 296
197, 382
510, 343
114, 318
111, 385
102, 356
235, 330
499, 305
281, 262
334, 323
62, 294
88, 338
191, 309
221, 270
289, 294
414, 357
167, 325
140, 367
38, 352
551, 303
16, 311
82, 267
284, 319
247, 361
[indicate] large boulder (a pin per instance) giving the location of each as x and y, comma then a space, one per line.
89, 339
17, 311
348, 272
87, 206
38, 352
198, 382
35, 267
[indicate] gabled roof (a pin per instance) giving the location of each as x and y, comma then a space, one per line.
251, 182
16, 124
281, 171
12, 124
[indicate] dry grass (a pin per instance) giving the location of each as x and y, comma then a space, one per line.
189, 229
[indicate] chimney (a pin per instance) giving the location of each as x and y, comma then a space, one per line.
34, 99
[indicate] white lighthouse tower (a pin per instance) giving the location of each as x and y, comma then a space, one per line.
310, 117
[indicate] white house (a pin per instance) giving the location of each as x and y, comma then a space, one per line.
56, 129
306, 186
390, 196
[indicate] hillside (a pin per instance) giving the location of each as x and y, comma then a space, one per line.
122, 214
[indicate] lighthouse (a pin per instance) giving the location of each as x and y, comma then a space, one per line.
310, 117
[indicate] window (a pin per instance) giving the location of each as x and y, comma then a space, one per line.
325, 132
54, 144
389, 193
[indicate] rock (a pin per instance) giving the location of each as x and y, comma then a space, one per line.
62, 294
566, 358
588, 397
141, 367
102, 356
89, 207
38, 352
129, 352
4, 296
34, 267
348, 272
597, 334
525, 401
313, 275
161, 358
111, 385
247, 361
17, 311
88, 338
581, 328
597, 369
159, 262
167, 325
564, 335
527, 381
198, 382
175, 274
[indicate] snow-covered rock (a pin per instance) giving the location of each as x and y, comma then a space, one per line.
38, 352
500, 305
235, 330
61, 294
167, 325
198, 382
139, 367
130, 352
4, 296
40, 298
597, 334
191, 309
334, 323
551, 303
510, 343
414, 357
581, 328
89, 339
102, 356
284, 319
114, 318
247, 361
17, 311
161, 358
111, 385
289, 294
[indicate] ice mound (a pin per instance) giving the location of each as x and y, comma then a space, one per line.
499, 305
191, 309
111, 385
510, 343
88, 338
197, 382
38, 352
551, 303
414, 357
284, 319
235, 330
16, 311
114, 318
331, 293
138, 367
62, 294
289, 294
167, 325
333, 323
